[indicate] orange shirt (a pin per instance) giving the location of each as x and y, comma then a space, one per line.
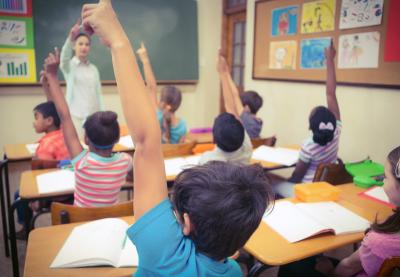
52, 146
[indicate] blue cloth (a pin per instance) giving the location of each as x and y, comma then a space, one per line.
251, 124
164, 250
177, 132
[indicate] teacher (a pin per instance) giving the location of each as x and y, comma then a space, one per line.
82, 77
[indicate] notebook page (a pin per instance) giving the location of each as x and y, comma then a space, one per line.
335, 216
57, 181
277, 155
126, 141
174, 166
192, 161
129, 256
32, 147
291, 223
378, 193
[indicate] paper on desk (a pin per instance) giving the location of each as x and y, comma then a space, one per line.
32, 147
57, 181
277, 155
126, 141
175, 166
377, 194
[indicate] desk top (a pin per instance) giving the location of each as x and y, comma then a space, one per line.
44, 244
270, 248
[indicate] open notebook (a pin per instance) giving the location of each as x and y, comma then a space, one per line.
296, 222
98, 243
56, 181
175, 166
32, 147
277, 155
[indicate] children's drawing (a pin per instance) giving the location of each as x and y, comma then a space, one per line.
360, 13
17, 66
313, 53
12, 33
13, 6
284, 21
318, 16
282, 55
359, 50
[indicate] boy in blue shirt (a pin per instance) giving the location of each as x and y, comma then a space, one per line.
214, 208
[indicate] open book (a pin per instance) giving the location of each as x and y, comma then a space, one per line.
56, 181
98, 243
284, 156
296, 222
175, 166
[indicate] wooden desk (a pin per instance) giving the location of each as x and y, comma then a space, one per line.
268, 247
200, 137
44, 244
17, 152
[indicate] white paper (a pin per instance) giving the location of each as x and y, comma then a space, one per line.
13, 32
378, 193
57, 181
355, 14
32, 147
283, 156
177, 165
126, 141
359, 50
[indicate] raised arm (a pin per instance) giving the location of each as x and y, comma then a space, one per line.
223, 71
71, 138
331, 99
67, 51
151, 82
150, 187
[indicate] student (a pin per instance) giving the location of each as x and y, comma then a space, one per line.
382, 240
99, 173
214, 208
247, 104
326, 127
82, 77
173, 128
232, 141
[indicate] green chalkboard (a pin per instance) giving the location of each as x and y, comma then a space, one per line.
167, 27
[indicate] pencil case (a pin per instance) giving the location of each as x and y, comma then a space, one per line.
316, 192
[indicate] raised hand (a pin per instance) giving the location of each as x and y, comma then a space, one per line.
330, 52
52, 62
74, 32
142, 53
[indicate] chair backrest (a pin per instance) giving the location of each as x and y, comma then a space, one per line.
64, 213
43, 164
334, 174
180, 149
390, 267
270, 141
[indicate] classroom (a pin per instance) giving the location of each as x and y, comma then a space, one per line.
369, 107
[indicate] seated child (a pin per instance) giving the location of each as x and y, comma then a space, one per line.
326, 127
173, 128
99, 172
214, 208
247, 104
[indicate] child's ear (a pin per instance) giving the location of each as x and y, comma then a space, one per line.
49, 121
86, 139
186, 224
246, 108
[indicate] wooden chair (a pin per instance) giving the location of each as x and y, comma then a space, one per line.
390, 268
334, 174
270, 141
180, 149
63, 213
43, 164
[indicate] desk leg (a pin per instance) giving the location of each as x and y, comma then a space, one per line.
257, 269
3, 209
13, 240
7, 183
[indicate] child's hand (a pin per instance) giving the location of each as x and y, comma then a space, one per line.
101, 19
330, 52
142, 53
52, 62
75, 30
43, 79
222, 65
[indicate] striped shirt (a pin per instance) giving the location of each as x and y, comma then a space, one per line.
315, 154
99, 179
52, 146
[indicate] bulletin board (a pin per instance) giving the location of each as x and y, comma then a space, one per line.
290, 37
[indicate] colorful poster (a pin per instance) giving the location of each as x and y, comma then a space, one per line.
16, 32
313, 53
282, 55
392, 46
360, 13
17, 66
16, 7
284, 21
318, 16
359, 50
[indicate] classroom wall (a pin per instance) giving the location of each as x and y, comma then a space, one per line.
370, 115
199, 106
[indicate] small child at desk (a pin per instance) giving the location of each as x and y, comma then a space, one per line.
99, 173
214, 208
173, 128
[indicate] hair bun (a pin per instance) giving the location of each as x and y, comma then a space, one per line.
108, 118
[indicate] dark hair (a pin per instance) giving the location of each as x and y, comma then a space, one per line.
102, 128
225, 203
252, 99
83, 35
228, 132
171, 96
320, 115
48, 109
392, 223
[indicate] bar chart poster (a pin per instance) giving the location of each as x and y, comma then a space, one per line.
16, 7
16, 32
17, 66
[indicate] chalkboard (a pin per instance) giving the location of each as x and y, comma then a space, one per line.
168, 28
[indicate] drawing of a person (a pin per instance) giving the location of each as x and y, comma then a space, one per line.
318, 16
280, 54
345, 54
356, 51
283, 24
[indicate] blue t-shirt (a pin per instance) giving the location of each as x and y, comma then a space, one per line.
176, 131
164, 250
251, 124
